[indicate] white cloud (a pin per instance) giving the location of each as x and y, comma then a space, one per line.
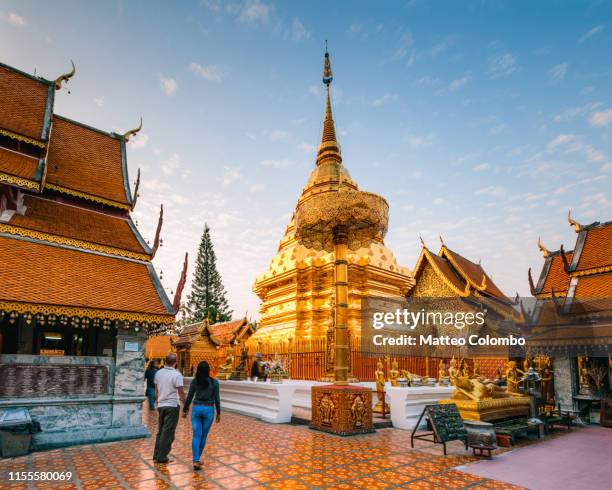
558, 72
16, 19
459, 83
298, 31
231, 175
572, 112
254, 11
606, 167
416, 141
385, 99
278, 163
278, 134
593, 32
212, 73
306, 148
500, 128
140, 140
168, 84
256, 188
562, 140
402, 50
315, 90
501, 65
480, 167
170, 164
602, 118
99, 101
491, 190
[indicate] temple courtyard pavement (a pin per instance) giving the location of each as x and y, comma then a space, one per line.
245, 453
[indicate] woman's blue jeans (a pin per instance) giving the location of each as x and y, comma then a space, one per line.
151, 397
202, 417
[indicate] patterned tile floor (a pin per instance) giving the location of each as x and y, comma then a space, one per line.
245, 453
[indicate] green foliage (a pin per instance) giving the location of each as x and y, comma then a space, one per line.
208, 296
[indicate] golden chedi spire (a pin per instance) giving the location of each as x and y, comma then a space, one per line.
329, 149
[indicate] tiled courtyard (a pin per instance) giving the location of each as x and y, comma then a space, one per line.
245, 453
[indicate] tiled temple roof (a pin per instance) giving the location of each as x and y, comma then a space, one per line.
553, 275
68, 222
593, 247
223, 333
19, 165
59, 279
25, 104
87, 162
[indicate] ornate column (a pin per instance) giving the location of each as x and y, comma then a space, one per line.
341, 367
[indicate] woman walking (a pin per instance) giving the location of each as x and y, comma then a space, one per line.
204, 392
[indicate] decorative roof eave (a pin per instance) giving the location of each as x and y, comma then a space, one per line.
503, 309
47, 237
591, 271
124, 171
91, 313
449, 255
139, 237
160, 290
25, 139
425, 253
20, 182
88, 197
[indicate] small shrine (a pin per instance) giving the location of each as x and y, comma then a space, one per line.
570, 321
211, 342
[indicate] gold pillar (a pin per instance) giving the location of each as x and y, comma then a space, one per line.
341, 285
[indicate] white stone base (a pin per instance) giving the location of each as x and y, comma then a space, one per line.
270, 402
407, 403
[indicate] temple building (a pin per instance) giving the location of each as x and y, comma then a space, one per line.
297, 290
454, 283
78, 291
211, 342
571, 320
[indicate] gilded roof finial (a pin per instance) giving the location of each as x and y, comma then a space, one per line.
577, 226
441, 240
422, 241
128, 134
329, 149
543, 249
65, 77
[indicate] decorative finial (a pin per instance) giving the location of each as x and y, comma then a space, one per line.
577, 226
156, 242
327, 71
132, 132
532, 287
65, 77
176, 304
422, 241
441, 240
136, 190
543, 249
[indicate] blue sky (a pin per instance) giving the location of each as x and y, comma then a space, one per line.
481, 121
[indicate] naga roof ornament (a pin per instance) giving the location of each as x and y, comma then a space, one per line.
65, 77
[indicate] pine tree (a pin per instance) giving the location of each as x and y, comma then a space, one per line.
207, 298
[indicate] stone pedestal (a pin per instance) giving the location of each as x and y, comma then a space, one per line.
342, 409
406, 404
565, 381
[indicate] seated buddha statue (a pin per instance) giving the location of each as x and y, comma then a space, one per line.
512, 377
227, 368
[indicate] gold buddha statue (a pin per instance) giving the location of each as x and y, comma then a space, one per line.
453, 370
225, 370
394, 373
379, 377
476, 369
512, 377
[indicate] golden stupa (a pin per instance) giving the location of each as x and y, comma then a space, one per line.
297, 290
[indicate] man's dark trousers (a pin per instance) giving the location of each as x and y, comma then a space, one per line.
167, 420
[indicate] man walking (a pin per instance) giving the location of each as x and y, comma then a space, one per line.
168, 390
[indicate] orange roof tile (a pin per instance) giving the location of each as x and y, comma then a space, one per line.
158, 346
86, 160
597, 248
224, 333
77, 223
25, 103
18, 165
473, 273
556, 278
595, 286
37, 273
